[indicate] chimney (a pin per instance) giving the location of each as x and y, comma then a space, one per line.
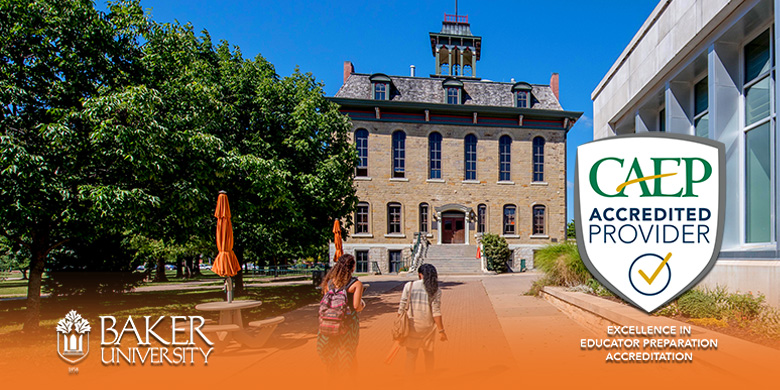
554, 85
348, 70
412, 68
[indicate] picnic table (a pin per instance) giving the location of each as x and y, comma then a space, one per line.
231, 323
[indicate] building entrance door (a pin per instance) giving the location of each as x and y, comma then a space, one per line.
453, 229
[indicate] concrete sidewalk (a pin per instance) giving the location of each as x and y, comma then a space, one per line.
488, 321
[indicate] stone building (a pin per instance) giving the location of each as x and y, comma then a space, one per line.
707, 68
448, 157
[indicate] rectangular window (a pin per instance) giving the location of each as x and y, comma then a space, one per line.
760, 122
399, 153
361, 218
361, 261
434, 151
662, 120
701, 112
361, 144
505, 158
394, 218
470, 158
380, 91
396, 261
538, 156
758, 201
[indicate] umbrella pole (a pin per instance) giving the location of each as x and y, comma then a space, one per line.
229, 284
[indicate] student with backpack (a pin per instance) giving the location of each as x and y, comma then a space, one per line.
421, 300
339, 327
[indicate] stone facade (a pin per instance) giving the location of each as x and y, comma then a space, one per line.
419, 106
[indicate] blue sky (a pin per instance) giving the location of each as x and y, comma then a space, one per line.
525, 40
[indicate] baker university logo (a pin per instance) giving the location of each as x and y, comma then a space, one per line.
73, 337
649, 213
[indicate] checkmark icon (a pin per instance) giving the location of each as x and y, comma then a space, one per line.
657, 270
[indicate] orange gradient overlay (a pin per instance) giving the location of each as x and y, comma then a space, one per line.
497, 337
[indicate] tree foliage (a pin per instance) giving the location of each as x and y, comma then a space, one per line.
571, 230
104, 139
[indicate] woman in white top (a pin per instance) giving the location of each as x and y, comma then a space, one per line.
422, 299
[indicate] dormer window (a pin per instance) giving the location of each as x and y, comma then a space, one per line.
522, 92
453, 89
380, 86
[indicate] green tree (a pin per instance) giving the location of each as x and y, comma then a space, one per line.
58, 174
571, 230
103, 136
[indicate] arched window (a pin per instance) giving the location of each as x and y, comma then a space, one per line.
361, 218
505, 158
399, 153
538, 153
434, 156
361, 144
538, 220
510, 213
481, 218
393, 218
424, 217
470, 157
453, 95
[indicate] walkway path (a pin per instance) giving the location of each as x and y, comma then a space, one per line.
488, 320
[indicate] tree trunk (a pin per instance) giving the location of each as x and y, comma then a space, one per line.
37, 264
188, 265
179, 270
239, 278
24, 273
159, 276
196, 266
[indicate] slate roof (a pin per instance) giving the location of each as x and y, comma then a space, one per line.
430, 90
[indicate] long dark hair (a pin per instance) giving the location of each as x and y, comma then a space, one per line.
430, 278
340, 274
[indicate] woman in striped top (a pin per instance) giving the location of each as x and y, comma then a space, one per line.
422, 300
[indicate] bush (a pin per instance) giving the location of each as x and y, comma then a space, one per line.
698, 303
538, 285
713, 322
744, 306
562, 263
598, 289
767, 322
496, 252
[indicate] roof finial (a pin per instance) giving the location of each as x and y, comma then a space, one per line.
456, 11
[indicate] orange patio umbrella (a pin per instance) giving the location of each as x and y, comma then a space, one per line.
226, 263
337, 240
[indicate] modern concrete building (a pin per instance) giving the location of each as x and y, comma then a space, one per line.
448, 157
707, 68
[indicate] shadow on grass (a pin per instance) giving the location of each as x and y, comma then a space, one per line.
276, 300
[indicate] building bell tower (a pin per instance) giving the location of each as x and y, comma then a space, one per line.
455, 48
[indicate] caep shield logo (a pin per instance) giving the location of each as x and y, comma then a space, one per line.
649, 213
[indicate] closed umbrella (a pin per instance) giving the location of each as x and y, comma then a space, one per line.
337, 240
226, 263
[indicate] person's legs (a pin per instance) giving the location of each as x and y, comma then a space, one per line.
411, 360
428, 361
